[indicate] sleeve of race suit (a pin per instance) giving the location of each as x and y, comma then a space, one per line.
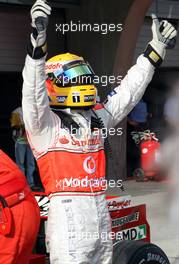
37, 115
124, 97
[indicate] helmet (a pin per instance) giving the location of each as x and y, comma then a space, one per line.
69, 81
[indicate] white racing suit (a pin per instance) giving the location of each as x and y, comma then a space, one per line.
72, 167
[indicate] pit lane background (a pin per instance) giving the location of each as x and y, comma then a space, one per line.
102, 51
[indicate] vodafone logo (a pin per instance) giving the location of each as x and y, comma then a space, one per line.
53, 66
89, 165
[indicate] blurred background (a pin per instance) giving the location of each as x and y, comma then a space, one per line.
109, 54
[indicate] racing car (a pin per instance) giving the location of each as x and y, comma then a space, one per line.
130, 229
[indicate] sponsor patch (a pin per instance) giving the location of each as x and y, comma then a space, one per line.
112, 93
125, 220
135, 233
61, 99
154, 56
67, 201
89, 98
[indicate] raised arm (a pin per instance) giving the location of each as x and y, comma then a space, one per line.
124, 97
36, 111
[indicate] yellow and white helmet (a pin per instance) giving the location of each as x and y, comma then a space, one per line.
69, 81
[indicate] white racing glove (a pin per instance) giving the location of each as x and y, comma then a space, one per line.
164, 36
40, 13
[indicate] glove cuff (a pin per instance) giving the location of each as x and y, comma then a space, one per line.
153, 56
37, 47
38, 52
159, 47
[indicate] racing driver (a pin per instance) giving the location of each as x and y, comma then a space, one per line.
64, 123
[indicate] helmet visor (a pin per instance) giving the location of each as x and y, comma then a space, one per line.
75, 73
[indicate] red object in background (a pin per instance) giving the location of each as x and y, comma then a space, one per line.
37, 259
150, 157
128, 222
131, 224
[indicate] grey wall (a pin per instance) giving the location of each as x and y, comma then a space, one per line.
55, 3
165, 10
98, 49
168, 73
14, 35
171, 59
13, 32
